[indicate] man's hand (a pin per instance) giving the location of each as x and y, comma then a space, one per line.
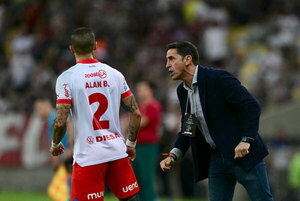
241, 150
131, 153
167, 163
58, 150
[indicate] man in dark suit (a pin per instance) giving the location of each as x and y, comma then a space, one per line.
220, 121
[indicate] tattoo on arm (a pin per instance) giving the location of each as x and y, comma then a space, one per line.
129, 104
59, 122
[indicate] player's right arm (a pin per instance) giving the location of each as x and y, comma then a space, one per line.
59, 128
63, 106
129, 104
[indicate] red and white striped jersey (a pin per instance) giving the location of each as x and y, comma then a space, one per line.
95, 91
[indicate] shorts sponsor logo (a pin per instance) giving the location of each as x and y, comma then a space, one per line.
101, 73
90, 139
92, 196
107, 137
130, 187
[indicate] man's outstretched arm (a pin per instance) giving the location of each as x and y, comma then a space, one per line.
129, 104
59, 128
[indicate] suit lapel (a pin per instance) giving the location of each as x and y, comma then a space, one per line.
202, 88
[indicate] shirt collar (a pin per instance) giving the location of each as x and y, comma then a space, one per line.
194, 80
88, 61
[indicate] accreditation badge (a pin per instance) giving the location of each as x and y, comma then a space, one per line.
190, 123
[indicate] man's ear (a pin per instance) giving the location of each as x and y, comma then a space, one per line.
95, 45
187, 60
72, 49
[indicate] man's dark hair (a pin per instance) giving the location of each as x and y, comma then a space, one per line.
83, 40
185, 48
45, 98
150, 84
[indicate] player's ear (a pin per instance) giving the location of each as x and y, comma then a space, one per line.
95, 45
72, 49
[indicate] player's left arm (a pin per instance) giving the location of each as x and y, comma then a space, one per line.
130, 105
59, 128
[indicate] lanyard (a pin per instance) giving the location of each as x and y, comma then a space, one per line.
187, 103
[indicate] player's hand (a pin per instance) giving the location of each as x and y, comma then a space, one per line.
58, 150
131, 153
241, 150
167, 163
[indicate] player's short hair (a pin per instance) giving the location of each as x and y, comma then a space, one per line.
83, 40
150, 84
185, 48
45, 99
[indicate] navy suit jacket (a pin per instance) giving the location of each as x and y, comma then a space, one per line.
231, 112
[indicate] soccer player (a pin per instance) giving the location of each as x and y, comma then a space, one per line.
94, 92
147, 144
44, 109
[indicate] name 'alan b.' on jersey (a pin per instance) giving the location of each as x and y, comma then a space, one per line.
94, 89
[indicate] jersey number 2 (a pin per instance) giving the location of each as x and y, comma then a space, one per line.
103, 105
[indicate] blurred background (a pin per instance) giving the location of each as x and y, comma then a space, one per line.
258, 41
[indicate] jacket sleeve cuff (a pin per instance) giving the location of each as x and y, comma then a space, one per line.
177, 152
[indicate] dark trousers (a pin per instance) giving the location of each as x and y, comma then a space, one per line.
223, 175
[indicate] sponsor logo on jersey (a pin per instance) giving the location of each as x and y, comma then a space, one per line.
92, 196
101, 73
98, 84
90, 139
66, 90
125, 86
130, 187
107, 137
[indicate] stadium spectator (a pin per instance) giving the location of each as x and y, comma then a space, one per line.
95, 91
44, 109
147, 147
258, 42
294, 176
220, 122
21, 63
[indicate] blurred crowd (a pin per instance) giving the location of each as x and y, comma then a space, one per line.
258, 41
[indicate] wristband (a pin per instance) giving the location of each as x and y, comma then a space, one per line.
130, 143
54, 145
247, 139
